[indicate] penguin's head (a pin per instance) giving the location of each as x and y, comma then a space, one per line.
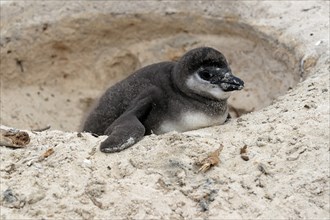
205, 72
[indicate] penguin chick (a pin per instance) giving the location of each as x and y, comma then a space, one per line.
168, 96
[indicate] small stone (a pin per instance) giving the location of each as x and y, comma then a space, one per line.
8, 196
87, 162
12, 200
245, 157
79, 134
204, 205
261, 143
293, 157
36, 197
263, 169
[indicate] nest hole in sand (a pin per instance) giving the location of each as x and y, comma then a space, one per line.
51, 73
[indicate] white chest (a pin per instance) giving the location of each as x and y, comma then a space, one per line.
191, 121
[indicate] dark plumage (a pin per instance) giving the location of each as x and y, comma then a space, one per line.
184, 95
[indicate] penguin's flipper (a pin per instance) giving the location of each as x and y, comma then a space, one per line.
128, 129
123, 133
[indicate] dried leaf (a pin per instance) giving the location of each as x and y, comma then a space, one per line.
243, 153
14, 138
243, 150
211, 160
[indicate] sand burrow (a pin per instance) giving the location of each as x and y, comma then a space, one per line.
52, 72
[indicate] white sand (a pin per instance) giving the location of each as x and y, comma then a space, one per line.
71, 51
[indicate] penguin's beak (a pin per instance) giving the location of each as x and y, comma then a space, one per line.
228, 82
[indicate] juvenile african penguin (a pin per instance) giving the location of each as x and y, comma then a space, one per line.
168, 96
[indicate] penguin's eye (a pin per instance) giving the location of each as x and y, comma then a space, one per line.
205, 75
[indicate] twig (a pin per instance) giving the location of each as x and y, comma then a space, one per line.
46, 154
41, 129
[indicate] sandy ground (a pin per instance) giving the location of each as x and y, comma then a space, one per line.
54, 63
